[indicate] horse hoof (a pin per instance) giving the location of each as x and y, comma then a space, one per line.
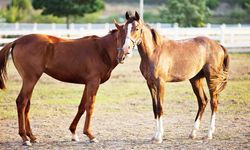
75, 138
192, 136
27, 143
94, 140
209, 137
156, 141
34, 140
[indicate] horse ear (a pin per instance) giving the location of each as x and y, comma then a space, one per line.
127, 15
137, 16
117, 25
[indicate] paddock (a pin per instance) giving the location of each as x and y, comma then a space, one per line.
123, 117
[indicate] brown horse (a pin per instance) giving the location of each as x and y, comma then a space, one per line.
164, 60
89, 60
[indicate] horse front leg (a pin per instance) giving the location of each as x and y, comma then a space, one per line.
91, 89
80, 112
157, 93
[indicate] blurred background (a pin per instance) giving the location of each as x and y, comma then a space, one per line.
185, 12
226, 21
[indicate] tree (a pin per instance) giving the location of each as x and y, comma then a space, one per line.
245, 4
212, 4
185, 12
67, 8
16, 10
22, 4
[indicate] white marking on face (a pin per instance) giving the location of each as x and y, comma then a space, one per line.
127, 40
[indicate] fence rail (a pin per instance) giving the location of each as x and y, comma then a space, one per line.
231, 36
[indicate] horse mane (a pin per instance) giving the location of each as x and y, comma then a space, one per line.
156, 36
113, 31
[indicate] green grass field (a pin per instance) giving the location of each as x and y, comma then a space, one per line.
125, 84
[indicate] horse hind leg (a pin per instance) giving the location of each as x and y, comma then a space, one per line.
214, 83
214, 107
22, 103
33, 139
197, 86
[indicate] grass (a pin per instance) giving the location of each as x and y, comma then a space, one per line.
126, 87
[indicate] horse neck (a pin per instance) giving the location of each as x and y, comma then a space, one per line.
147, 46
109, 53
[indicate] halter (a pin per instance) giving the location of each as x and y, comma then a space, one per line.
135, 42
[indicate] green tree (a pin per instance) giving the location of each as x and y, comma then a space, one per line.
67, 8
245, 4
212, 4
17, 10
21, 4
185, 12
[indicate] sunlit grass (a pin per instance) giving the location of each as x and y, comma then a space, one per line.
126, 86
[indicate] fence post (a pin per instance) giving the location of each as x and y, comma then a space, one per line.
239, 25
208, 26
72, 26
89, 26
17, 26
176, 28
222, 40
53, 26
107, 26
34, 26
158, 25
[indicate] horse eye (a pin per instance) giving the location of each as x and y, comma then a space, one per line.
137, 29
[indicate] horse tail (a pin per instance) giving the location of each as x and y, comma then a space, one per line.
4, 54
224, 74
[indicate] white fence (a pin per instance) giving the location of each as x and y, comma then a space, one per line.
231, 36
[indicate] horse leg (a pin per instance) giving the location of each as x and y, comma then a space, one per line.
27, 124
80, 112
22, 102
197, 86
214, 107
157, 92
152, 90
213, 82
160, 98
91, 89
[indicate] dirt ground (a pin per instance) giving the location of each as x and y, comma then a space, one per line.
129, 123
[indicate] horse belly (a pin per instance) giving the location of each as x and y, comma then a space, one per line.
62, 76
184, 70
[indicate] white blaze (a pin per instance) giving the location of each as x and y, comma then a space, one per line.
127, 40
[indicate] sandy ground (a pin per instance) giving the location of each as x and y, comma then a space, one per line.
125, 126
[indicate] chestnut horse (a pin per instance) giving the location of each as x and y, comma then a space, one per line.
89, 60
164, 60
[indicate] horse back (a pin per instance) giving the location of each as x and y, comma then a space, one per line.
183, 59
63, 59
